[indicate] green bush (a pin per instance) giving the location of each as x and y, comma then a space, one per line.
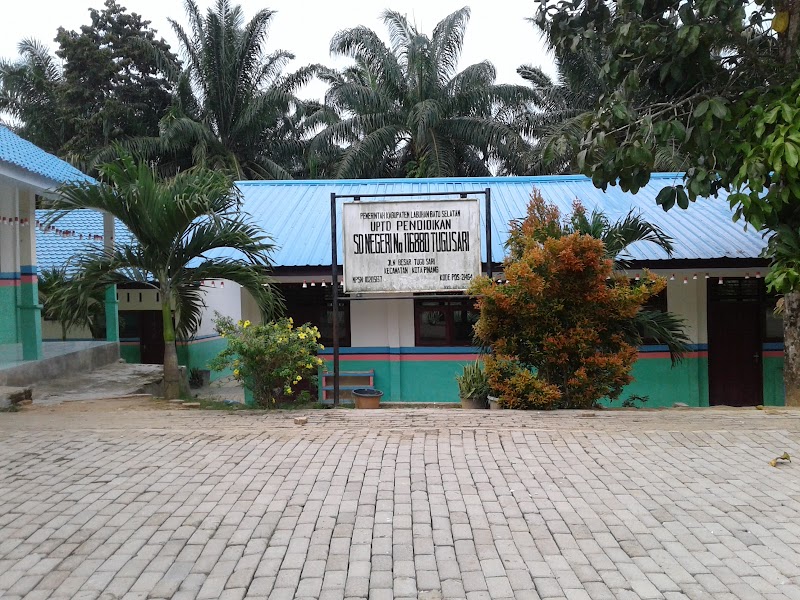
269, 359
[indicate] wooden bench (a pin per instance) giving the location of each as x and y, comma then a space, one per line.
348, 381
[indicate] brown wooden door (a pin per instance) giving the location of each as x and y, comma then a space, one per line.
151, 337
734, 349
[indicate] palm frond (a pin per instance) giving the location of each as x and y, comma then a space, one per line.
447, 42
630, 230
664, 328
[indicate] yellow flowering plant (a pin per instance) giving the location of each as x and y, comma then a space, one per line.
271, 359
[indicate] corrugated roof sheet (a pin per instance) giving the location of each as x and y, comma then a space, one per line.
23, 154
297, 213
56, 250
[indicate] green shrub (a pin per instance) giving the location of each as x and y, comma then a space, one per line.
269, 359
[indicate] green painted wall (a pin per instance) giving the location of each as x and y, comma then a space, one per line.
434, 381
411, 381
193, 356
656, 378
130, 353
773, 380
9, 321
197, 354
664, 385
30, 320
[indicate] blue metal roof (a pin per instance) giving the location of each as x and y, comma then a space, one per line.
297, 213
23, 154
56, 249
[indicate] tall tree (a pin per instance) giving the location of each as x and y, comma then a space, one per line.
113, 87
234, 103
184, 230
104, 85
407, 111
728, 70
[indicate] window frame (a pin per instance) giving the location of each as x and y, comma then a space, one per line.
448, 306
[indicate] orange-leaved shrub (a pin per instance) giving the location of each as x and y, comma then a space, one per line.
556, 327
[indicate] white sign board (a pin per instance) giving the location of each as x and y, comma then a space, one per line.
427, 246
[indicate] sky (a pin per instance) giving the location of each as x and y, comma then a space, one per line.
497, 30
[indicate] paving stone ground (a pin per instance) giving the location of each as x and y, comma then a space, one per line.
132, 501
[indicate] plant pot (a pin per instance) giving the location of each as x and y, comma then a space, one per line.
368, 398
473, 403
494, 403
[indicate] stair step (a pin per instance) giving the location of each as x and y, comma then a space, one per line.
343, 387
350, 374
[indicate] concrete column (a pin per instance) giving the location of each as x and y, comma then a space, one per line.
112, 306
393, 337
9, 276
29, 307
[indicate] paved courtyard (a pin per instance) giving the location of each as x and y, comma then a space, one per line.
136, 500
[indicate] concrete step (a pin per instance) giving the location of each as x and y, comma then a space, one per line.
114, 381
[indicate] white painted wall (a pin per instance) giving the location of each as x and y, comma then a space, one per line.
139, 299
225, 299
379, 323
9, 234
51, 330
249, 309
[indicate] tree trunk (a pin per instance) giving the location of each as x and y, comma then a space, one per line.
791, 345
790, 38
172, 386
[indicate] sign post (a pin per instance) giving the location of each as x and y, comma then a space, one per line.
428, 246
412, 246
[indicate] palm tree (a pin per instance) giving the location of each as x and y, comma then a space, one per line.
30, 91
555, 117
63, 301
406, 110
184, 230
558, 116
232, 99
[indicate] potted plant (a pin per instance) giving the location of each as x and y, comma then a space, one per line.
473, 386
367, 398
494, 400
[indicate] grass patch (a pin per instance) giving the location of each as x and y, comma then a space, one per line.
207, 404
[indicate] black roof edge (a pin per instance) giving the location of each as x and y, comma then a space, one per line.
324, 271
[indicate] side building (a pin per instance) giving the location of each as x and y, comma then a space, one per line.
27, 174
